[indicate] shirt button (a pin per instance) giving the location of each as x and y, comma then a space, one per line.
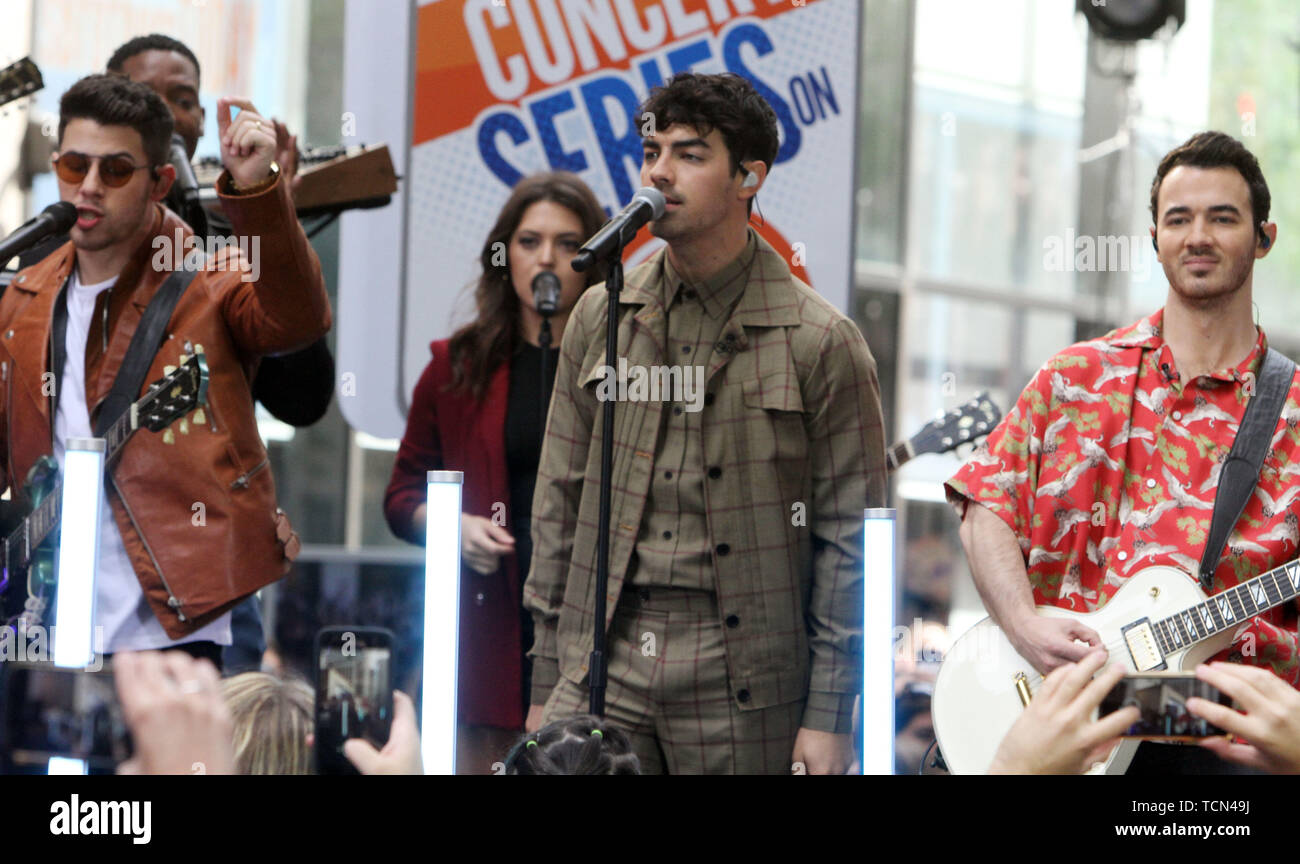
686, 349
715, 472
733, 621
1177, 415
677, 411
1151, 484
743, 695
1122, 556
708, 398
668, 535
723, 549
668, 475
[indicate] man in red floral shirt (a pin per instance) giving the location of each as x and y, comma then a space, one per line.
1109, 462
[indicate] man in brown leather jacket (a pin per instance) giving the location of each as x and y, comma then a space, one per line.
193, 525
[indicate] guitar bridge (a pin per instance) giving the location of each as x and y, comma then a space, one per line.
1143, 649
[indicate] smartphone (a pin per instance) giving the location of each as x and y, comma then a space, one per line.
1161, 698
62, 721
354, 692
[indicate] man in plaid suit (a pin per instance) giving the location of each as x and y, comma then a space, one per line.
734, 614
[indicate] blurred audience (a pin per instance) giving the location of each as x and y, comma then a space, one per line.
1056, 733
575, 745
1270, 723
273, 721
172, 704
401, 755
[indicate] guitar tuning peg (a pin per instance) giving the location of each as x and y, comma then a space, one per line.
185, 426
189, 347
199, 417
169, 437
198, 349
167, 370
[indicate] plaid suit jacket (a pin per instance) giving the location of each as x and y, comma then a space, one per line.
795, 432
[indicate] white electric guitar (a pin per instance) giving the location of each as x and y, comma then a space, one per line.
1159, 619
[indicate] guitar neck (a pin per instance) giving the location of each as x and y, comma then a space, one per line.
898, 454
38, 525
1228, 609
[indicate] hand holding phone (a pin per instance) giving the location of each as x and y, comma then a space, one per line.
1161, 700
354, 692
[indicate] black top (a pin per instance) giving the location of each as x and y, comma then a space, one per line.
524, 441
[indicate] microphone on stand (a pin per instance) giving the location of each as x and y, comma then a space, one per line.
546, 294
58, 218
546, 298
187, 186
646, 205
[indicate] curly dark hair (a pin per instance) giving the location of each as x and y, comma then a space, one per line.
492, 338
1217, 150
726, 102
152, 42
575, 745
112, 100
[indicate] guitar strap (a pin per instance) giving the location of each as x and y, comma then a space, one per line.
144, 345
1240, 470
139, 354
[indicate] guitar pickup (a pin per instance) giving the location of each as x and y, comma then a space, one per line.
1143, 649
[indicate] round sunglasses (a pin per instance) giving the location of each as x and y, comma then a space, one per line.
115, 171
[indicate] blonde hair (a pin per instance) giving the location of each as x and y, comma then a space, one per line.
272, 718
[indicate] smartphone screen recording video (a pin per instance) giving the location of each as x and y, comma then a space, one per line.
62, 720
1162, 702
354, 692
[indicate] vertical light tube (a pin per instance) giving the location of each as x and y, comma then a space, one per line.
441, 621
879, 524
78, 559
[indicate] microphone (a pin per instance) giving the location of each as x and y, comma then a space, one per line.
646, 205
187, 186
546, 292
58, 218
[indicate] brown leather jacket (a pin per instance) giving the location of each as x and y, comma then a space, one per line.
193, 562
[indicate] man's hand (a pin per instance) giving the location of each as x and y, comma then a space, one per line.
1049, 642
1056, 733
1271, 723
823, 753
172, 704
534, 720
401, 755
482, 543
247, 143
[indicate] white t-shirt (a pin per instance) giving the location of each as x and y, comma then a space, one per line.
120, 608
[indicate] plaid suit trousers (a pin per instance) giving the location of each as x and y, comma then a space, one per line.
667, 688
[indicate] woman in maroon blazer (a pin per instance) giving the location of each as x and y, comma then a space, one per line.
478, 408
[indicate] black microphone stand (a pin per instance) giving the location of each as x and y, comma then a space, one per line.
596, 666
544, 340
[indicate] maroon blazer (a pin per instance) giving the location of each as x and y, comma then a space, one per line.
454, 432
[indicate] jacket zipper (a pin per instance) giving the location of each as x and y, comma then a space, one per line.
171, 596
241, 482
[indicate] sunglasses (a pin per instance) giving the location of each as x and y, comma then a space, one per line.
115, 171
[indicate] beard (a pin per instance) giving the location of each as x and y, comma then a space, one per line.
1211, 290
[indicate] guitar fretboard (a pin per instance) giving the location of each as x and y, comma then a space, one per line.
897, 455
41, 521
1228, 609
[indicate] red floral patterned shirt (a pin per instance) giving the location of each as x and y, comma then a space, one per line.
1108, 465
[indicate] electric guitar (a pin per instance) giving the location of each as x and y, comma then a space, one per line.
26, 552
1159, 619
962, 425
